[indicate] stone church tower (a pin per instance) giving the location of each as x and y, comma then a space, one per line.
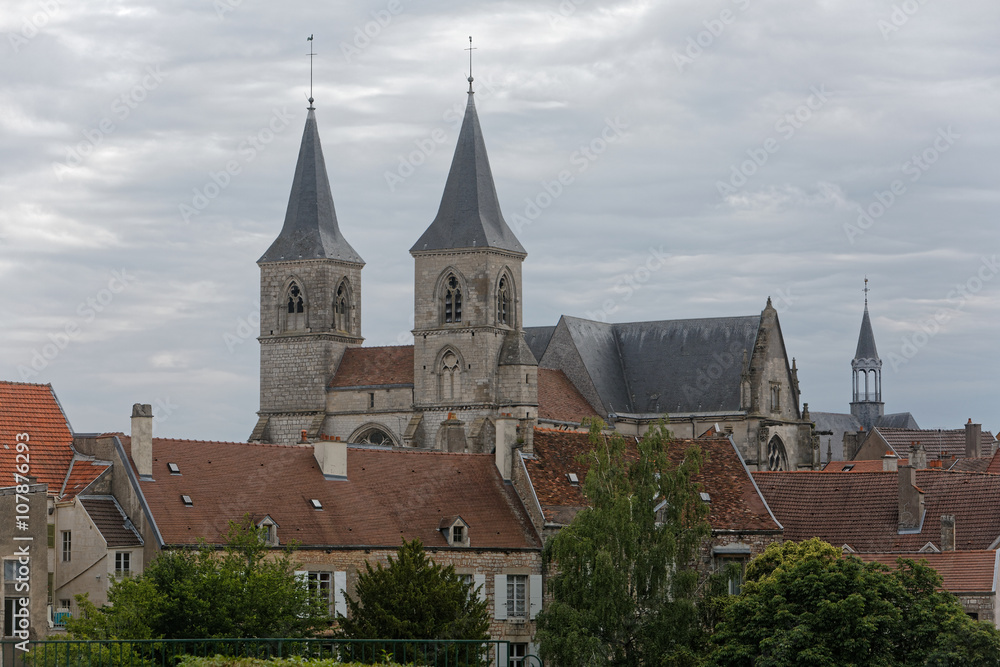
310, 303
471, 363
866, 402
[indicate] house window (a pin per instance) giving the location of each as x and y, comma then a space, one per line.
123, 563
457, 535
67, 546
11, 606
452, 300
504, 303
733, 569
517, 595
371, 400
9, 570
321, 583
518, 653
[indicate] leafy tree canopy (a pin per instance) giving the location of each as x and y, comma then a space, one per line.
244, 591
414, 598
625, 588
804, 604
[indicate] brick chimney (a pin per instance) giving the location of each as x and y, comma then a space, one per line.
506, 443
911, 500
890, 462
918, 456
332, 458
142, 439
947, 532
973, 433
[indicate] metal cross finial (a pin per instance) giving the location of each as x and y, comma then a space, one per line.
310, 54
866, 290
470, 50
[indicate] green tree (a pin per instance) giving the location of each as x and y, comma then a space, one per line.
415, 598
804, 604
624, 591
243, 592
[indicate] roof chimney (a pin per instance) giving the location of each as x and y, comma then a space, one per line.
918, 456
947, 532
973, 433
911, 500
890, 462
142, 439
332, 458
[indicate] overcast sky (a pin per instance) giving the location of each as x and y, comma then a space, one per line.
767, 148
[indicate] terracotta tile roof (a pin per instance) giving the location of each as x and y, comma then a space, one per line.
862, 510
559, 399
994, 466
962, 571
34, 409
936, 442
859, 466
374, 367
390, 495
82, 473
111, 520
971, 465
735, 502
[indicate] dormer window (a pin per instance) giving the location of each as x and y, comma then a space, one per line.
452, 300
268, 530
455, 531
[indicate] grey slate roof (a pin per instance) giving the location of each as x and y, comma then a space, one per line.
866, 339
310, 230
897, 420
515, 351
469, 215
655, 367
839, 423
538, 339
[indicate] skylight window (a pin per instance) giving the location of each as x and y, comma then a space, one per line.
705, 497
573, 478
187, 501
173, 468
316, 505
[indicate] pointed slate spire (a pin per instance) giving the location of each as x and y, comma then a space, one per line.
469, 215
866, 340
310, 230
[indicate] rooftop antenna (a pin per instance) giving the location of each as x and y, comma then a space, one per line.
310, 54
866, 290
470, 50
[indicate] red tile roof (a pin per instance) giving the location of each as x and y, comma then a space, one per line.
389, 495
859, 466
374, 367
559, 399
82, 473
994, 466
936, 442
34, 409
109, 518
962, 571
735, 502
862, 510
971, 465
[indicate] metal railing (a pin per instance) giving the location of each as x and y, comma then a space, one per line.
169, 652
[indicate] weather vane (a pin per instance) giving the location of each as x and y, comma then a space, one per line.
470, 50
866, 290
310, 54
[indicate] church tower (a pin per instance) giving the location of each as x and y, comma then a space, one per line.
866, 405
310, 303
471, 363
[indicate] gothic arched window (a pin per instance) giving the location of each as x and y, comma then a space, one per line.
776, 458
450, 376
341, 308
296, 304
375, 436
505, 316
452, 300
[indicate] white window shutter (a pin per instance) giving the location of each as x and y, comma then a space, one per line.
500, 597
302, 576
479, 581
534, 595
502, 659
340, 593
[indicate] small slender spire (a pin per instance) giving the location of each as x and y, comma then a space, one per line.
310, 54
470, 50
866, 290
